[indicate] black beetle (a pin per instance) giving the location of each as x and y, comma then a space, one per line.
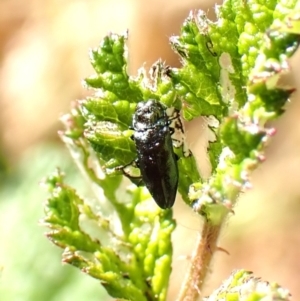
156, 158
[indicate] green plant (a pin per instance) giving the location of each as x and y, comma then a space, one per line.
230, 73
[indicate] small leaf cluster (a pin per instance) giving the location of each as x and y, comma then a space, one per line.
243, 285
243, 133
131, 260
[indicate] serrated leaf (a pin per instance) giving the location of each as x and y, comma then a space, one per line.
98, 109
111, 144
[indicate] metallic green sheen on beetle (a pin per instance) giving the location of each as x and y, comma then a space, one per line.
156, 158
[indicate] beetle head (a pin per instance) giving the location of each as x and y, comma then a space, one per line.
149, 114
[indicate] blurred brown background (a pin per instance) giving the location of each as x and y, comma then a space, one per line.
43, 57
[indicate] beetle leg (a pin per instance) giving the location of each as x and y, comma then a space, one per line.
210, 48
136, 163
136, 179
177, 131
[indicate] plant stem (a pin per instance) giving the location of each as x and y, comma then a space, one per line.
200, 261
